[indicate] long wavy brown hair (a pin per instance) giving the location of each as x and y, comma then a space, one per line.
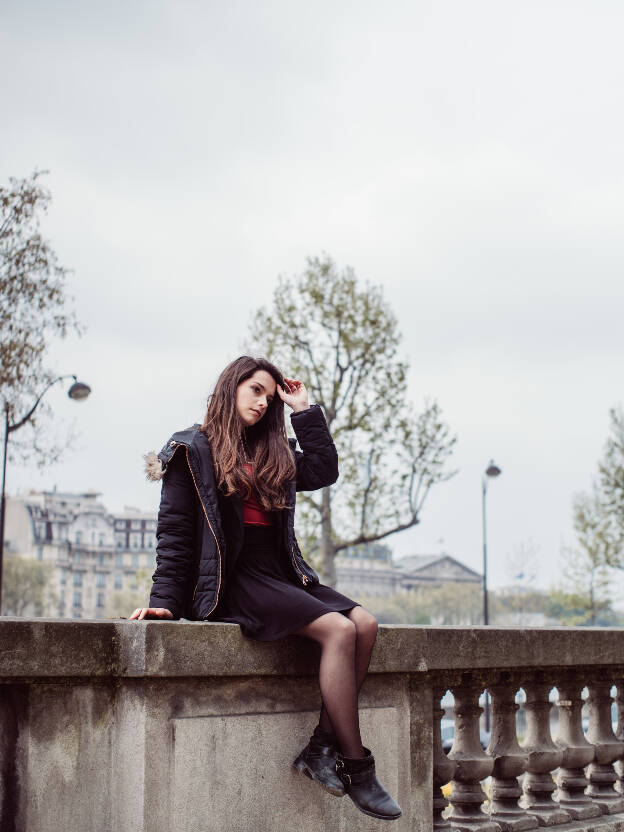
264, 445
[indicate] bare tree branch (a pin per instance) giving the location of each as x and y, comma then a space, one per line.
371, 538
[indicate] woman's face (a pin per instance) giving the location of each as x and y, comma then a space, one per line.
253, 396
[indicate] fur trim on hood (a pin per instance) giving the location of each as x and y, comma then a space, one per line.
153, 467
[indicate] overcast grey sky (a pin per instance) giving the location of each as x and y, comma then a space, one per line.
465, 156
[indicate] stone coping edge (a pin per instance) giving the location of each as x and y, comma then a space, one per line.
32, 648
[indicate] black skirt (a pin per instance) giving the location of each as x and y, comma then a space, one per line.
264, 596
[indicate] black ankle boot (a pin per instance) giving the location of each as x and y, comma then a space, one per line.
364, 789
318, 761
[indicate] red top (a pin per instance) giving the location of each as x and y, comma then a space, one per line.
253, 513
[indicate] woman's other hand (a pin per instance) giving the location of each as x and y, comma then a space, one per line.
294, 393
150, 612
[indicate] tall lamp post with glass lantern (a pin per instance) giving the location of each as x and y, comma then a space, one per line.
78, 391
490, 472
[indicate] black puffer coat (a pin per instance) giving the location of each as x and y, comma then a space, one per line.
200, 531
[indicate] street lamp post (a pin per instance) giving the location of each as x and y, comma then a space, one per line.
78, 391
490, 472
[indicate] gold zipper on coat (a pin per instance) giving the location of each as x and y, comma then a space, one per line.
304, 578
213, 534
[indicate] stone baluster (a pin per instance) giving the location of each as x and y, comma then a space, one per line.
608, 749
619, 733
577, 753
543, 757
473, 765
509, 761
443, 767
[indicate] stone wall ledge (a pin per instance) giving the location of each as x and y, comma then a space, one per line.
107, 726
52, 648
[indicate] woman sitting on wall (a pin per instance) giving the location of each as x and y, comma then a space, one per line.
227, 551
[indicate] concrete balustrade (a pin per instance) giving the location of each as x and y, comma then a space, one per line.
544, 757
608, 749
578, 753
619, 733
443, 767
128, 727
472, 764
510, 761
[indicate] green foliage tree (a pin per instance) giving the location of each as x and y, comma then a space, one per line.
26, 586
32, 306
584, 599
342, 340
122, 603
611, 488
400, 609
450, 602
574, 610
514, 604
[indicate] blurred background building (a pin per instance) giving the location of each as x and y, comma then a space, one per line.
93, 553
371, 571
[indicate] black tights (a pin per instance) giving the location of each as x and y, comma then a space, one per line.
346, 645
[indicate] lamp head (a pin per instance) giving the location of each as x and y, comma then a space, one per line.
492, 470
79, 391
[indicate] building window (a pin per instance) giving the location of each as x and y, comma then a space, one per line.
100, 599
100, 579
136, 524
135, 542
135, 560
77, 557
77, 599
62, 597
78, 579
63, 578
78, 537
118, 560
100, 560
101, 540
118, 580
39, 552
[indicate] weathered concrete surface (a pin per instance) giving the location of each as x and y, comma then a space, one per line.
38, 648
127, 727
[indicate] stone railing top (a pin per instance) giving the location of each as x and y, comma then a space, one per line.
48, 648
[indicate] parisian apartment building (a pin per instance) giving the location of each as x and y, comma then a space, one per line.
94, 552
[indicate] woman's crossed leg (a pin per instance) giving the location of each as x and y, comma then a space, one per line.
346, 645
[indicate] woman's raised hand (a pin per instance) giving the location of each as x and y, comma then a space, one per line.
294, 393
150, 612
